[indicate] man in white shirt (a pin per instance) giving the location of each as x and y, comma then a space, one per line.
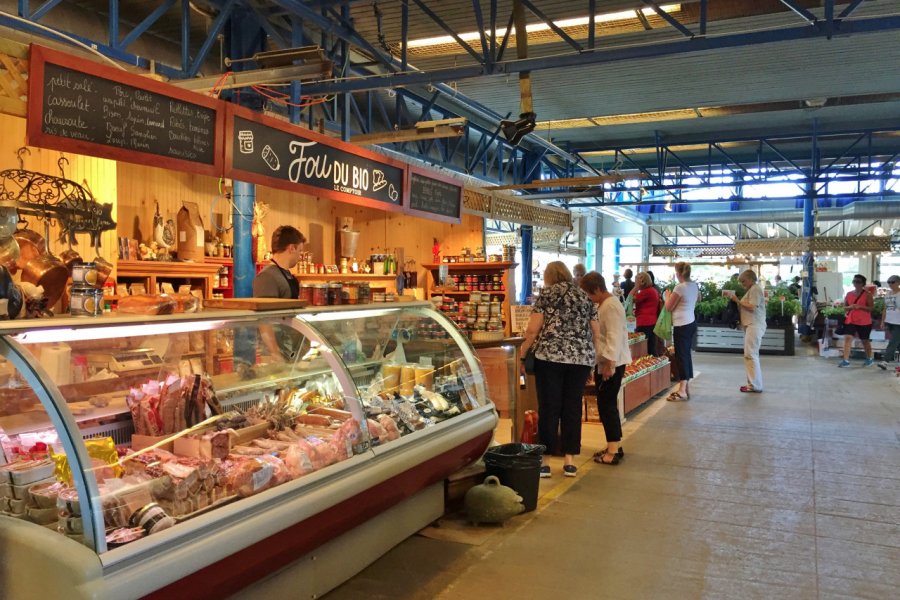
753, 320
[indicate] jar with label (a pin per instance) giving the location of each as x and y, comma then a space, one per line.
320, 295
350, 293
365, 292
496, 309
484, 310
306, 292
334, 294
85, 301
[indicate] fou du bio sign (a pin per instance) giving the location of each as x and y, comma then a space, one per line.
269, 152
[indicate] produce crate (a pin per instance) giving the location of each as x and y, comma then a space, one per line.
636, 392
660, 379
638, 349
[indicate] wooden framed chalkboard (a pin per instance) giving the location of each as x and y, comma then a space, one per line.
434, 196
277, 154
79, 106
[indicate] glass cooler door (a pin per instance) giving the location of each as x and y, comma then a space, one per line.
411, 366
146, 425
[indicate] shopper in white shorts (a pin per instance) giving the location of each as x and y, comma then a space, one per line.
891, 321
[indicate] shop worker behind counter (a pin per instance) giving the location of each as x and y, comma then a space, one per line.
276, 280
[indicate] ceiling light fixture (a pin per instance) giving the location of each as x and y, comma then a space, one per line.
471, 36
668, 206
771, 231
879, 230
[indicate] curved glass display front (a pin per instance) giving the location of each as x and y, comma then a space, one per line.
115, 431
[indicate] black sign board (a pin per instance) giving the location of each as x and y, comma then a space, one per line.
285, 156
92, 109
438, 197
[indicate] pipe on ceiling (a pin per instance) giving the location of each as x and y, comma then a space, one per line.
868, 209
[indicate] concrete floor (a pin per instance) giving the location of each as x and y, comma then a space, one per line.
791, 493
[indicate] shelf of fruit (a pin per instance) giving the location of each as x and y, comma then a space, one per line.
644, 365
636, 338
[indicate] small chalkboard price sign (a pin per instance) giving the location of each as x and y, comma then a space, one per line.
83, 107
434, 196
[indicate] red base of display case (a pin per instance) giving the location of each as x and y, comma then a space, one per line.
256, 562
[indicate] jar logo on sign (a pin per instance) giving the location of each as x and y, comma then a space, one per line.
346, 178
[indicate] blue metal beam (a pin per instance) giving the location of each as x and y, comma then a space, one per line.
861, 26
212, 36
142, 27
43, 9
506, 35
805, 14
479, 19
114, 53
113, 23
185, 34
549, 22
450, 31
592, 23
848, 10
266, 25
669, 18
704, 12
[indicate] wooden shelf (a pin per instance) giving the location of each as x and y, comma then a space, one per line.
473, 266
492, 293
183, 270
343, 277
218, 260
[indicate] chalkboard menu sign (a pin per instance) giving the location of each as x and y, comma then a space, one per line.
269, 152
96, 110
434, 197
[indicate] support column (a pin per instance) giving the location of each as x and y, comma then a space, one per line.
527, 232
809, 230
244, 268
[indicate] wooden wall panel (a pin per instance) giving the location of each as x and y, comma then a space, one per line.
100, 175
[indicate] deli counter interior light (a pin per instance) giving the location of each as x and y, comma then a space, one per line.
52, 336
343, 315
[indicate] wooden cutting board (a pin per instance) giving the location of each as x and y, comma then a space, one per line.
255, 303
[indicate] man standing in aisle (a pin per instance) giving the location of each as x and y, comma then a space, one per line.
628, 284
891, 320
276, 280
753, 320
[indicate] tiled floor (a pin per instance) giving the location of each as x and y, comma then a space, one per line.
794, 493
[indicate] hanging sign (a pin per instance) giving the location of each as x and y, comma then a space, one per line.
80, 106
434, 196
270, 152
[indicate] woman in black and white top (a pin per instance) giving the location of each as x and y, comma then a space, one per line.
564, 332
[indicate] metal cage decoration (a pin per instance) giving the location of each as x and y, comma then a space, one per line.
816, 245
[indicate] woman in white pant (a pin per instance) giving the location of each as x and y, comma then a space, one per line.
753, 320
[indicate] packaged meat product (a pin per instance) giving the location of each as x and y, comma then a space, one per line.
376, 431
152, 518
67, 501
24, 472
41, 516
251, 476
147, 304
390, 426
297, 461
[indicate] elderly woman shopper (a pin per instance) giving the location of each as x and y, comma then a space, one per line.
563, 332
753, 320
613, 355
646, 309
681, 302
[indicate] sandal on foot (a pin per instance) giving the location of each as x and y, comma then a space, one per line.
607, 459
620, 453
676, 397
750, 389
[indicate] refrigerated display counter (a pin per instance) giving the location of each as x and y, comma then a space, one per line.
192, 455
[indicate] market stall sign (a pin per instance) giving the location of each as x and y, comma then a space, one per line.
434, 196
269, 152
83, 107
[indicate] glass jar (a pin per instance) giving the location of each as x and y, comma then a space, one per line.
320, 295
306, 292
350, 293
365, 293
334, 294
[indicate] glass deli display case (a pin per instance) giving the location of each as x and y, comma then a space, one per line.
155, 451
